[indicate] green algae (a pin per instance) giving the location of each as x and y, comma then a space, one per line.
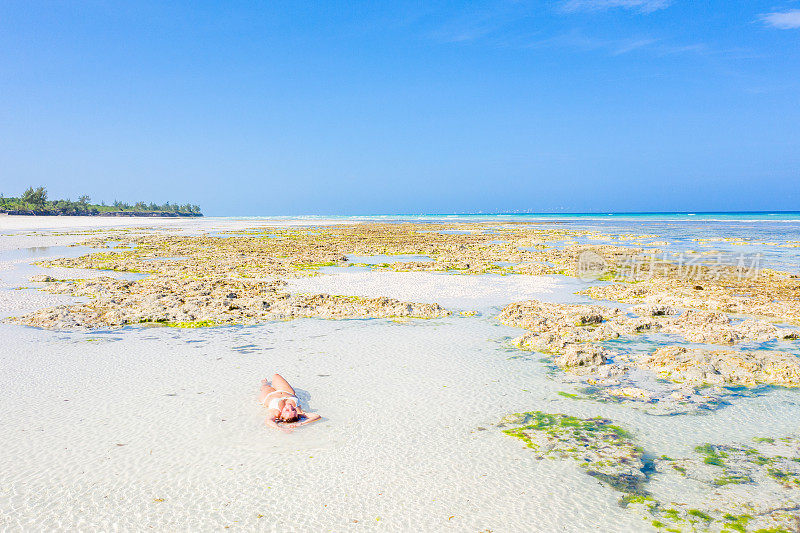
737, 522
712, 455
193, 324
184, 325
588, 441
731, 480
633, 498
673, 515
699, 514
598, 445
783, 477
314, 266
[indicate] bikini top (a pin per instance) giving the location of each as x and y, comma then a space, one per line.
275, 402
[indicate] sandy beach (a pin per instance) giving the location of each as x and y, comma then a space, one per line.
479, 267
146, 427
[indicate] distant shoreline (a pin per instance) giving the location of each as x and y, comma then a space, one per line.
34, 202
105, 214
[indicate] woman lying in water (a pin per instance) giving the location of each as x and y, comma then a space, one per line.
279, 397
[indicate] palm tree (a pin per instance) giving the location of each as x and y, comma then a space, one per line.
36, 196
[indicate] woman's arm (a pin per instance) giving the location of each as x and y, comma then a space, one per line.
309, 418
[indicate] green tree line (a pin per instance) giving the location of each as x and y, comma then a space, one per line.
35, 200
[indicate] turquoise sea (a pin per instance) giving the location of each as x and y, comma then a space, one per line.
732, 216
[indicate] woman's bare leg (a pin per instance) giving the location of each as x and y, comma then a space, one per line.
265, 390
281, 384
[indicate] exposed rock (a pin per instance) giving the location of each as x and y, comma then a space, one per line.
564, 330
582, 357
557, 325
719, 328
41, 278
177, 301
573, 334
543, 317
654, 310
772, 294
701, 366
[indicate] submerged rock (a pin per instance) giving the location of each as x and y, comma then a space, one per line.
726, 487
605, 451
41, 278
633, 393
582, 357
746, 487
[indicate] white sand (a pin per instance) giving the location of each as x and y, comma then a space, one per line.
159, 429
55, 223
9, 223
448, 290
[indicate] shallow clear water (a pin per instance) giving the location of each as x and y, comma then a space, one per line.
159, 428
681, 236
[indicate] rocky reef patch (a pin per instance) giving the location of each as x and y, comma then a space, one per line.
676, 377
716, 488
183, 271
603, 450
206, 302
234, 277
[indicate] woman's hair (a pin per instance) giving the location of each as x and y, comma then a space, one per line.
288, 419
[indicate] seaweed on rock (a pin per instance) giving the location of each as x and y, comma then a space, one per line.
606, 451
745, 488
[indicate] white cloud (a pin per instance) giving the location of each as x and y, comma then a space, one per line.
644, 6
631, 45
786, 20
577, 40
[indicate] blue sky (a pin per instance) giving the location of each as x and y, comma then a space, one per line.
257, 108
